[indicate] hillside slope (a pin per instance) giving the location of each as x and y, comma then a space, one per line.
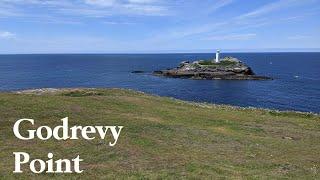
163, 137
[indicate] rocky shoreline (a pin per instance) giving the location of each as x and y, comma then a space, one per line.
95, 92
229, 68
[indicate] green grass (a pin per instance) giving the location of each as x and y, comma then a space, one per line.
164, 138
221, 63
79, 93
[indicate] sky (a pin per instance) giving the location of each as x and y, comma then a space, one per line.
143, 26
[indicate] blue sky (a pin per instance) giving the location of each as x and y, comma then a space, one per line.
126, 26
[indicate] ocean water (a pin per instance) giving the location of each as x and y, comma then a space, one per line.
296, 84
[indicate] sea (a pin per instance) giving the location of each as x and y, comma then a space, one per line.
296, 84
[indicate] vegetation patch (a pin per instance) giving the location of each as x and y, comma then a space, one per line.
221, 63
181, 141
81, 93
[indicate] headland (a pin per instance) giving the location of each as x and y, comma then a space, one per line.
165, 138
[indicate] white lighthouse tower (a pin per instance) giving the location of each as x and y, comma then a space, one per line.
217, 56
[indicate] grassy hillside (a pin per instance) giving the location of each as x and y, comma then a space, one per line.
164, 138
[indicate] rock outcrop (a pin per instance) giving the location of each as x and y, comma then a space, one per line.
228, 68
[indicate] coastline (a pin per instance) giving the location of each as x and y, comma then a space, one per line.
41, 91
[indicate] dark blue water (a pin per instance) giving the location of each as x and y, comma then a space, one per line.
296, 85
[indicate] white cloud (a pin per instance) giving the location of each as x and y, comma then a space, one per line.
8, 13
299, 37
271, 7
244, 21
138, 7
107, 3
35, 2
6, 35
145, 9
84, 12
100, 8
219, 4
90, 8
183, 32
142, 1
233, 37
118, 23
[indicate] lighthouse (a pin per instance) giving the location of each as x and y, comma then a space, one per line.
217, 56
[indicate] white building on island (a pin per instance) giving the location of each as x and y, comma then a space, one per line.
217, 60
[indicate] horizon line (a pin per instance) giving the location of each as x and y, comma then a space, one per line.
195, 51
133, 53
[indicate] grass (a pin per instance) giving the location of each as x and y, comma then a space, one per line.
164, 138
221, 63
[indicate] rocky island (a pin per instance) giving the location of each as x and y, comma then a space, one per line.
228, 68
